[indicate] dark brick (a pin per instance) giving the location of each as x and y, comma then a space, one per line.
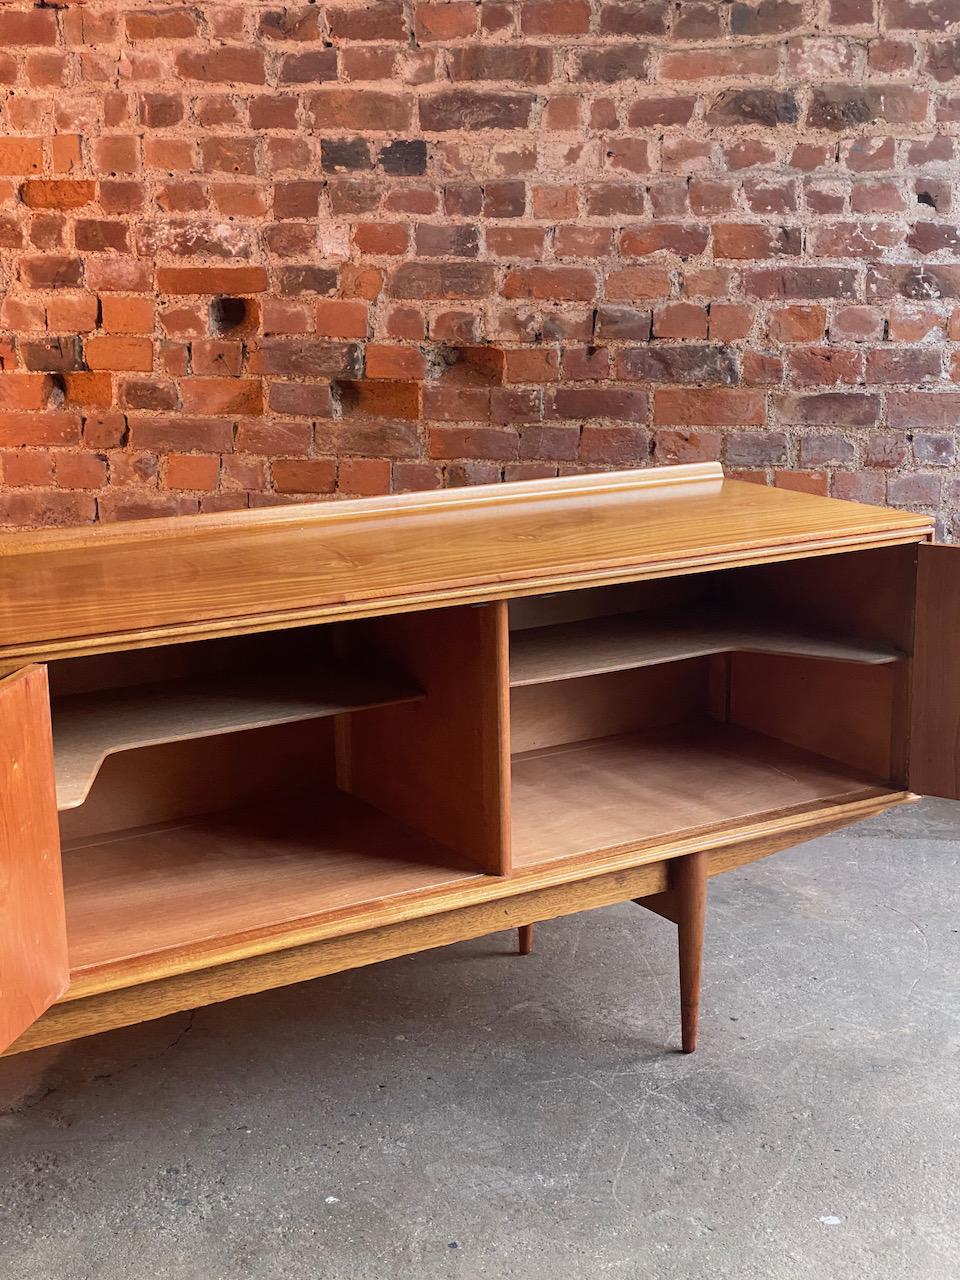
457, 241
683, 362
504, 199
292, 23
307, 279
766, 18
934, 237
160, 110
309, 68
592, 403
338, 155
466, 109
51, 355
406, 157
526, 63
625, 323
52, 272
610, 65
634, 18
442, 280
846, 106
305, 358
921, 283
943, 60
754, 106
302, 400
830, 408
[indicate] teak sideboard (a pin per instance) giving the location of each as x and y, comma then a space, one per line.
290, 742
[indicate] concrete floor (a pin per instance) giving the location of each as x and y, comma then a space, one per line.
464, 1113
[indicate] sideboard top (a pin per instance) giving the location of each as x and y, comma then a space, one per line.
150, 581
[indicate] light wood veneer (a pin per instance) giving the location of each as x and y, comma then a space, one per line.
702, 672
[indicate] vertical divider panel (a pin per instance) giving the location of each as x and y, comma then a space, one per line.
440, 765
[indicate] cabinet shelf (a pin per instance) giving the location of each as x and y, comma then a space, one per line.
588, 797
203, 886
89, 727
565, 651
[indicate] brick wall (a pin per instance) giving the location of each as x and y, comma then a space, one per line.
254, 252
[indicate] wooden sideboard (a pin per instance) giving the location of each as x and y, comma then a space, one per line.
294, 741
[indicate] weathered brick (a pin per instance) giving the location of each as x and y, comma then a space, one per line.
223, 65
359, 109
20, 155
64, 193
474, 109
678, 363
449, 280
754, 106
303, 358
27, 27
829, 408
527, 63
708, 408
175, 24
51, 355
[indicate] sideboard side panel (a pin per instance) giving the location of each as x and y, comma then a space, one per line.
935, 693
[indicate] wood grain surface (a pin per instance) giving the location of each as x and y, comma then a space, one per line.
33, 943
571, 650
63, 592
591, 796
507, 905
934, 767
89, 727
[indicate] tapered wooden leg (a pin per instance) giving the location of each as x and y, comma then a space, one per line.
689, 880
525, 939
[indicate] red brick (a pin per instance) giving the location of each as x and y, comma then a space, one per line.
338, 319
192, 471
222, 395
222, 65
27, 27
552, 283
194, 280
63, 193
364, 477
797, 324
80, 471
24, 390
532, 364
119, 353
381, 399
359, 109
88, 389
72, 313
708, 407
304, 475
122, 314
394, 362
176, 24
680, 320
803, 481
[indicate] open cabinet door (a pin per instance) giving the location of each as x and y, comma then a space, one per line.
33, 936
935, 685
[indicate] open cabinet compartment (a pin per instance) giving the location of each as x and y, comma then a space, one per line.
668, 707
236, 791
